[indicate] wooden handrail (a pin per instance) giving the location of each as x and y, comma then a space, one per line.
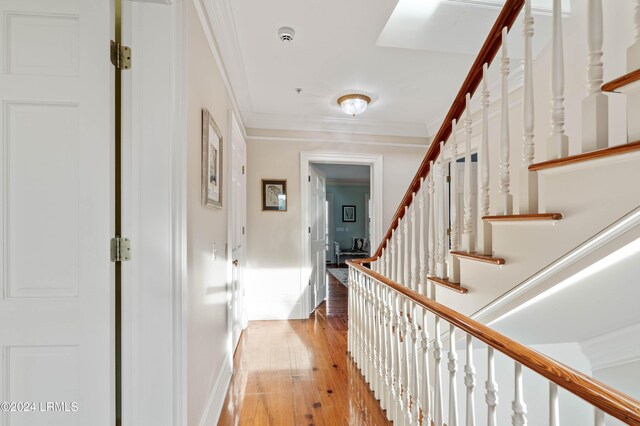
599, 395
491, 46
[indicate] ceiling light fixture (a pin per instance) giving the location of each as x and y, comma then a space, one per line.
354, 103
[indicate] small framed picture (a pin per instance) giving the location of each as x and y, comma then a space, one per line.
212, 161
274, 195
348, 213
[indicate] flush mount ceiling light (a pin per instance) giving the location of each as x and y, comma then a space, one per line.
354, 103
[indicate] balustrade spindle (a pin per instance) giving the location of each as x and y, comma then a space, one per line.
406, 364
399, 252
431, 211
491, 386
395, 360
441, 265
382, 260
376, 337
599, 418
554, 414
365, 328
484, 234
453, 369
470, 383
406, 277
633, 52
414, 246
505, 206
385, 352
422, 286
468, 239
426, 401
402, 361
558, 145
381, 343
454, 235
595, 107
437, 382
415, 365
394, 265
518, 406
528, 180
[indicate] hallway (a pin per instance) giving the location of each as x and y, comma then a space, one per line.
299, 373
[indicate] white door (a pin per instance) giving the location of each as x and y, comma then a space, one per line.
317, 199
237, 216
57, 304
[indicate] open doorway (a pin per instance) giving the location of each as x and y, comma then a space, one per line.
348, 212
341, 209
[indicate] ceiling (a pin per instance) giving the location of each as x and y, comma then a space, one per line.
410, 60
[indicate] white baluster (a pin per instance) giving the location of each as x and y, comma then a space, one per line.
595, 107
554, 414
406, 377
599, 417
399, 252
558, 145
406, 278
437, 356
528, 180
384, 401
441, 265
454, 234
505, 206
453, 368
484, 235
382, 263
453, 190
518, 406
414, 366
491, 386
402, 361
422, 286
394, 333
414, 246
470, 383
431, 211
394, 265
468, 239
633, 53
426, 401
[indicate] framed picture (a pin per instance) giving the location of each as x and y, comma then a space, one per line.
348, 213
274, 195
212, 161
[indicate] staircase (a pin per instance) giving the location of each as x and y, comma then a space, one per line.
443, 262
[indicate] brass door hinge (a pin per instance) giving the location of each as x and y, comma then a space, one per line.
120, 56
120, 249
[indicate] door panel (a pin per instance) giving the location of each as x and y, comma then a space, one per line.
317, 198
237, 217
56, 311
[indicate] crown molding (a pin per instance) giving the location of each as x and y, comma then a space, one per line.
336, 141
617, 347
336, 124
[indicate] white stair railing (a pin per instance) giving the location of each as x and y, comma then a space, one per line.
558, 146
411, 406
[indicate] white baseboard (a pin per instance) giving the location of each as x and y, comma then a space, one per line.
218, 393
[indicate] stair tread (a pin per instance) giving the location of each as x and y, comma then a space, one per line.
523, 217
479, 257
621, 82
587, 156
444, 282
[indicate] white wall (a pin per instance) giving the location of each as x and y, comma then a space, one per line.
624, 378
208, 367
274, 288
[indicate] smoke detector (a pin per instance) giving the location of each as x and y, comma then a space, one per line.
286, 33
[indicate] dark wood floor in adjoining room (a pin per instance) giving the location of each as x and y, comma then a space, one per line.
299, 373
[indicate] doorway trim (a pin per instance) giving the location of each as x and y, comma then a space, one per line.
375, 162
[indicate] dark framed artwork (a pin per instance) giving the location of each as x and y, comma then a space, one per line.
274, 195
348, 213
212, 161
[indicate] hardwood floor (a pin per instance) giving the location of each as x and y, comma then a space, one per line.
299, 373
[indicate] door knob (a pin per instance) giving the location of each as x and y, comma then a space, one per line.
235, 262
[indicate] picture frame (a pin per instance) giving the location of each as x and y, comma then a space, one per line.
274, 195
212, 162
348, 213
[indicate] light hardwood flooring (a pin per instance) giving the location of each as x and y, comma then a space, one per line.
299, 373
